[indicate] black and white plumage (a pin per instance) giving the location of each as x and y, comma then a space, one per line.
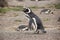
34, 19
46, 11
22, 27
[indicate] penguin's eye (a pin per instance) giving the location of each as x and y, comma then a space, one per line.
27, 10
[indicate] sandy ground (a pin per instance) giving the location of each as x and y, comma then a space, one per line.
8, 24
52, 34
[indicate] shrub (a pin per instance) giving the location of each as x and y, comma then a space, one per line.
18, 20
3, 10
57, 6
34, 7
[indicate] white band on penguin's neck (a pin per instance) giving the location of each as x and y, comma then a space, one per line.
28, 11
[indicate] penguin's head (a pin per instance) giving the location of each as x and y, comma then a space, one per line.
27, 10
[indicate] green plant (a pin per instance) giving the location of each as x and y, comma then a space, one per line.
50, 5
4, 10
16, 9
42, 7
18, 21
46, 19
34, 7
57, 6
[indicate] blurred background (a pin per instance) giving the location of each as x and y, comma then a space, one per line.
12, 16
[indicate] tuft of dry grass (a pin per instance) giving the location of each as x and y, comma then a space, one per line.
15, 14
46, 19
18, 20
